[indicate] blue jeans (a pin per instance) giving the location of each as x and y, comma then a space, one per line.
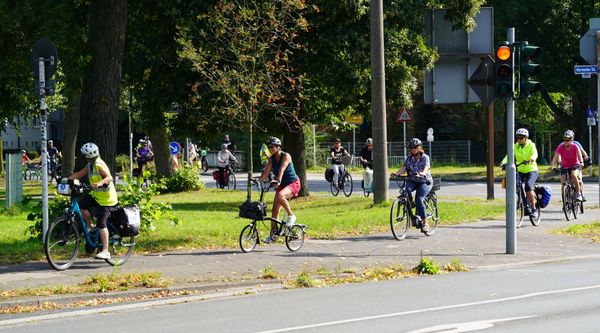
422, 191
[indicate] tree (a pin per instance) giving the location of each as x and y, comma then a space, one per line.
241, 49
100, 101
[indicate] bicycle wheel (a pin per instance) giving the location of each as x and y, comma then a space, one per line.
334, 189
347, 184
520, 208
248, 238
232, 181
294, 237
27, 175
120, 249
204, 165
61, 244
573, 200
566, 199
399, 221
431, 211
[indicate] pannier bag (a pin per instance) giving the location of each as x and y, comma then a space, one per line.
216, 175
543, 195
127, 220
329, 175
255, 210
368, 178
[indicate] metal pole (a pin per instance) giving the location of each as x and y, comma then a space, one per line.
490, 156
511, 230
130, 137
404, 138
353, 141
43, 107
598, 109
314, 128
380, 170
591, 151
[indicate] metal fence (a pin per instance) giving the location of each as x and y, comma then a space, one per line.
438, 151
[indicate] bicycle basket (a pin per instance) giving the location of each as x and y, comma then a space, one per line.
66, 187
255, 210
346, 160
437, 183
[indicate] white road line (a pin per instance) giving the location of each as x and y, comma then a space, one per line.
446, 307
467, 326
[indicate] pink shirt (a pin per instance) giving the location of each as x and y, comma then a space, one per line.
569, 158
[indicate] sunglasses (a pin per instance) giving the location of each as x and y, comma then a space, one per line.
566, 140
519, 137
271, 147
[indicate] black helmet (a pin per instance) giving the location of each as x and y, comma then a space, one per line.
274, 141
414, 142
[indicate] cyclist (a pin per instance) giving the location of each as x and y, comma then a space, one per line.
230, 144
337, 151
586, 160
417, 165
366, 154
24, 158
570, 161
264, 154
527, 172
53, 155
143, 155
223, 158
103, 195
288, 182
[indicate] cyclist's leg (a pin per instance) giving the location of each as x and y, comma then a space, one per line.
422, 191
575, 179
528, 180
85, 204
221, 177
336, 173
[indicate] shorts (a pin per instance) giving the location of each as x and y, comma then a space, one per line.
102, 212
564, 171
528, 179
294, 187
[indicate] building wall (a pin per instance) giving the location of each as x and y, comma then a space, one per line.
29, 137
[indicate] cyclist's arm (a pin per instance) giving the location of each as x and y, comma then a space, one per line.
555, 159
284, 164
266, 171
400, 171
79, 174
332, 153
346, 153
106, 178
232, 157
534, 154
579, 156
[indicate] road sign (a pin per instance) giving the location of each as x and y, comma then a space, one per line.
482, 81
44, 48
587, 43
585, 69
175, 148
430, 131
591, 117
356, 120
404, 116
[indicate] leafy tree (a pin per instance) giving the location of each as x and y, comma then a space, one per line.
242, 49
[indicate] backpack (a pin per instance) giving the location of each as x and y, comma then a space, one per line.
255, 210
126, 220
329, 175
543, 195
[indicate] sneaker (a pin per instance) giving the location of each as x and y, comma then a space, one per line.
269, 239
424, 227
103, 255
579, 197
290, 221
534, 214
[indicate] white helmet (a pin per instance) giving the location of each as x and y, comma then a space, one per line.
369, 141
523, 131
90, 150
569, 134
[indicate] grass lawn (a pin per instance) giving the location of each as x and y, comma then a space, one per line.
209, 220
590, 231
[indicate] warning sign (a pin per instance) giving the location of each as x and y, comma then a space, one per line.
404, 116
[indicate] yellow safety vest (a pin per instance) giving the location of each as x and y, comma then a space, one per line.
103, 196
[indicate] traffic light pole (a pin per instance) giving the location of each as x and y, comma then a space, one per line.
598, 108
511, 229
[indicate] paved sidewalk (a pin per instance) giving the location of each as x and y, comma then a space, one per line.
478, 245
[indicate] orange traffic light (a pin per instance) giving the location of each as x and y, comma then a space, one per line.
503, 53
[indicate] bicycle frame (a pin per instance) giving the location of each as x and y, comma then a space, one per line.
75, 214
407, 200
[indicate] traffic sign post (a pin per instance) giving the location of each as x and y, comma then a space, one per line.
44, 62
403, 117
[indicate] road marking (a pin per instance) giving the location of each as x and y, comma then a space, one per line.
467, 326
446, 307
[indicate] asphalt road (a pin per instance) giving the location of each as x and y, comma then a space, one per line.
558, 297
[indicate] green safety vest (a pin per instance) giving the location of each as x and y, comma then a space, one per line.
525, 153
103, 196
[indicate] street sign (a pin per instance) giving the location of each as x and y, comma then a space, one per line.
585, 69
44, 48
587, 43
482, 81
404, 116
354, 119
591, 121
175, 148
591, 117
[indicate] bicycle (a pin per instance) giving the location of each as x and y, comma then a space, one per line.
63, 238
33, 172
249, 237
523, 203
368, 173
229, 176
344, 179
570, 204
203, 161
402, 214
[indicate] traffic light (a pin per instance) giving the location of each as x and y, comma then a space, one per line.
504, 71
527, 69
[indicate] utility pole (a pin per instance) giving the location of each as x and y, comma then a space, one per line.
380, 167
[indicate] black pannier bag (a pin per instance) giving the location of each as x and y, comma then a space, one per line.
126, 220
329, 175
255, 210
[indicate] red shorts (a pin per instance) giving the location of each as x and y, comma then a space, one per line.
294, 187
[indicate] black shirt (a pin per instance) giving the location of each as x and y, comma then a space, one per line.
367, 155
338, 155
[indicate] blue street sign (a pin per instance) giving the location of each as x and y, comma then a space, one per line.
590, 113
586, 69
175, 148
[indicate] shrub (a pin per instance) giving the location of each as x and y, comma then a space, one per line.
122, 163
427, 266
150, 210
185, 179
56, 208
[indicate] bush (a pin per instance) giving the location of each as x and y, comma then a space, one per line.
122, 164
133, 194
185, 179
56, 208
427, 266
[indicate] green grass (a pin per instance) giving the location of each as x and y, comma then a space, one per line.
590, 231
209, 220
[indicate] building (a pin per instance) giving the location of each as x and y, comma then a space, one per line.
28, 137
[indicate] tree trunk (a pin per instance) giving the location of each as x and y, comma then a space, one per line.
162, 153
69, 148
100, 102
294, 143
